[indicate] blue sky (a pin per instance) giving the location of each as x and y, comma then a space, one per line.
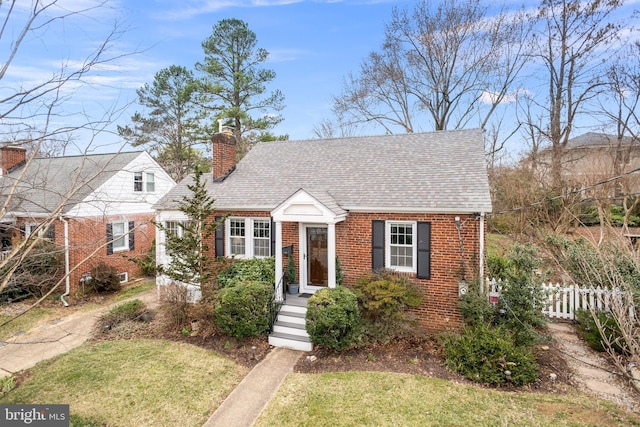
313, 45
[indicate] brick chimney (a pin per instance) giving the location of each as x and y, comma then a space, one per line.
224, 153
12, 157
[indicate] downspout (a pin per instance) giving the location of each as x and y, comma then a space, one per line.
66, 262
481, 272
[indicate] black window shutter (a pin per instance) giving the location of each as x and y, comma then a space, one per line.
51, 232
424, 250
377, 244
273, 237
23, 230
132, 240
219, 237
109, 239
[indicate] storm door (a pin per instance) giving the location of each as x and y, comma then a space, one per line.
317, 260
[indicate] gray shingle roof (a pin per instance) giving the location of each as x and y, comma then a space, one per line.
594, 139
422, 172
47, 182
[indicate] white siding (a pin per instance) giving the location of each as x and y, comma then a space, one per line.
116, 196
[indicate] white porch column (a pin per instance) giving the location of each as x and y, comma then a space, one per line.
278, 254
331, 254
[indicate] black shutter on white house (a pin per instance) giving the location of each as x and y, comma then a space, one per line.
219, 237
132, 240
109, 239
424, 251
377, 244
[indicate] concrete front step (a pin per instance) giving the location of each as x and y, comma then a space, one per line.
290, 328
295, 342
290, 317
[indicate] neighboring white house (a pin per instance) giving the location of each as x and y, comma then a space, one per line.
101, 205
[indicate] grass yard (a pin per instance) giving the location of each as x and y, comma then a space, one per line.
133, 383
387, 399
52, 310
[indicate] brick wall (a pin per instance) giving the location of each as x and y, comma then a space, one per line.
439, 308
87, 235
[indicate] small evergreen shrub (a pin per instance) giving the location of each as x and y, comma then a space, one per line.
475, 307
384, 298
243, 310
484, 353
147, 263
125, 312
243, 270
104, 279
333, 318
589, 331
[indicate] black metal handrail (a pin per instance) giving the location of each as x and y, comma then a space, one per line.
276, 303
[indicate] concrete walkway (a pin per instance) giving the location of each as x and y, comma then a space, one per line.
56, 337
245, 404
590, 369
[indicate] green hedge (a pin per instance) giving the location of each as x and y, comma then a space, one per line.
333, 318
243, 310
484, 354
243, 270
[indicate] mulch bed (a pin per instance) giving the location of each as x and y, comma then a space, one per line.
415, 355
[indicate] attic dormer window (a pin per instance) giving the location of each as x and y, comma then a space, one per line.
146, 181
137, 181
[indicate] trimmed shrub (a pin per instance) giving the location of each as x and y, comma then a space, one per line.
383, 299
245, 270
243, 310
104, 279
333, 318
484, 353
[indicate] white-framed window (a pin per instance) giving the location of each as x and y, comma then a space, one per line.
248, 237
137, 181
173, 228
401, 248
43, 233
120, 237
144, 181
151, 182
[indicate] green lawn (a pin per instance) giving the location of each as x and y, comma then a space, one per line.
386, 399
133, 383
48, 312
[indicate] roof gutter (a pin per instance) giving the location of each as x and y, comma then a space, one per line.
66, 262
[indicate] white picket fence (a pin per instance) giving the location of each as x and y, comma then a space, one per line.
563, 299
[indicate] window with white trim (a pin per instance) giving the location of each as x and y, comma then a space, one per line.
248, 237
137, 181
44, 233
144, 181
151, 182
120, 237
401, 247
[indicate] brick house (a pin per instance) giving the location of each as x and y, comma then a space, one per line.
96, 208
414, 203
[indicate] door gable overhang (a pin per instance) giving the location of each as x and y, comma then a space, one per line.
303, 206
